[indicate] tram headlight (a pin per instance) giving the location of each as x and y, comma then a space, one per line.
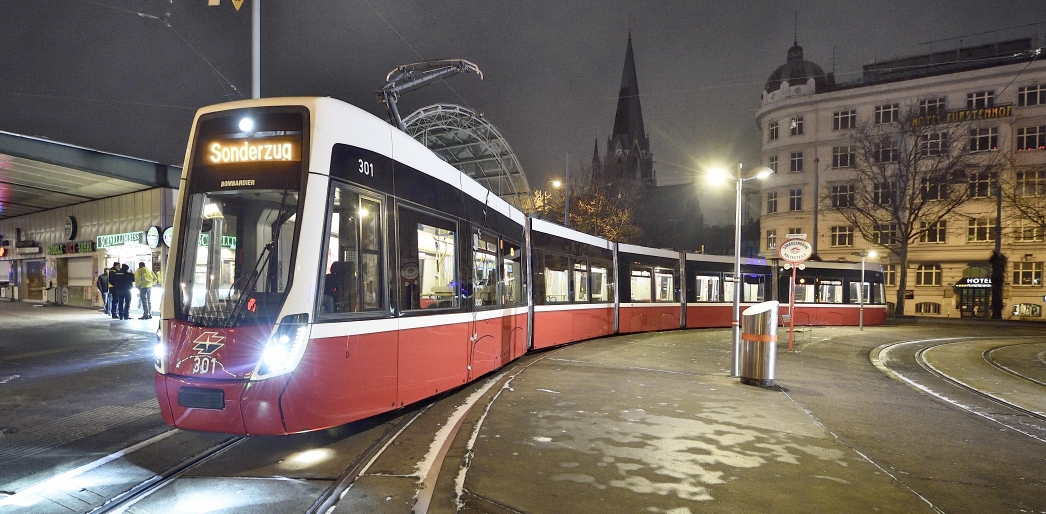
285, 347
160, 350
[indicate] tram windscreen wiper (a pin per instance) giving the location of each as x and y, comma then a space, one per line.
249, 287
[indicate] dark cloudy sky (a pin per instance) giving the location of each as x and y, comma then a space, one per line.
97, 73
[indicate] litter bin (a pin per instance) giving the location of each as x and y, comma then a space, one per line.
759, 344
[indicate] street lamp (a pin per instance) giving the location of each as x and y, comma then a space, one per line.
720, 175
557, 184
860, 289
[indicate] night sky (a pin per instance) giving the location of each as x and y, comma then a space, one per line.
96, 73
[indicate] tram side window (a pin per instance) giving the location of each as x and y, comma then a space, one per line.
640, 277
512, 273
485, 269
581, 284
664, 282
600, 286
428, 261
873, 292
830, 291
557, 278
805, 292
353, 279
705, 288
755, 287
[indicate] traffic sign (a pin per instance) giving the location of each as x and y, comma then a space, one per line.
796, 250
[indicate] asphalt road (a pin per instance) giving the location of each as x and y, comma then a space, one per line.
634, 423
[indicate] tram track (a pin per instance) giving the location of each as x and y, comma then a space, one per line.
914, 368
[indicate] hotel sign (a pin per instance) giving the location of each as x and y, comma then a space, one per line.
957, 116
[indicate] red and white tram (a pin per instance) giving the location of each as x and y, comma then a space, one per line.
326, 267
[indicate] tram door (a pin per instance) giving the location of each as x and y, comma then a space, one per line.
974, 302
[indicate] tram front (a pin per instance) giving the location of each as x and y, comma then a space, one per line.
226, 344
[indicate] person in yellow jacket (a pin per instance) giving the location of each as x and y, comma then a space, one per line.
144, 280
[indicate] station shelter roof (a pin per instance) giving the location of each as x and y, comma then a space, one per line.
38, 175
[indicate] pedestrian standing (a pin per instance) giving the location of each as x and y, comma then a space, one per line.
144, 280
102, 283
124, 282
114, 294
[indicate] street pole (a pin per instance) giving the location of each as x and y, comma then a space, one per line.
566, 191
256, 49
860, 292
735, 354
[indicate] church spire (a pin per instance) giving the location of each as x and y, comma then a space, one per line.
628, 121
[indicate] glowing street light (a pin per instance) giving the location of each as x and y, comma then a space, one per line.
721, 175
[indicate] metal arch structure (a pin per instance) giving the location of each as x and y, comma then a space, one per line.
462, 138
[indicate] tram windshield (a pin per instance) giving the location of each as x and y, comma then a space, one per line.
236, 250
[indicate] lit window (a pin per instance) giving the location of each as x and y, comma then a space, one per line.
771, 239
1031, 138
927, 308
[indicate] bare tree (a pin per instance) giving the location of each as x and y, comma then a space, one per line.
906, 171
593, 210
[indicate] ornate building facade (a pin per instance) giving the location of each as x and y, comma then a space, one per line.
810, 125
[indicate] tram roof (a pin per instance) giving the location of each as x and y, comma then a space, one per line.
39, 175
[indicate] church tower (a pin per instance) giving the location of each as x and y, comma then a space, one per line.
628, 163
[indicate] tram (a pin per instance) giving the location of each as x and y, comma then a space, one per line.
327, 267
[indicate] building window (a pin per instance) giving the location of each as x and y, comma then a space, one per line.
882, 194
795, 230
890, 274
927, 308
1029, 232
843, 120
771, 239
843, 195
773, 131
795, 199
771, 202
885, 150
797, 162
928, 275
842, 236
1031, 95
981, 184
885, 234
843, 156
934, 188
984, 139
886, 113
795, 127
771, 162
933, 144
980, 99
1031, 138
933, 232
1031, 183
1027, 273
980, 230
931, 107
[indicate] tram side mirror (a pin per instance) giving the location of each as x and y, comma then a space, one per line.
207, 225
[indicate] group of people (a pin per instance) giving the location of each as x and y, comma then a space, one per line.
115, 286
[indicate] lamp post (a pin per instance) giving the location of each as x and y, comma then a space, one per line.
719, 175
860, 289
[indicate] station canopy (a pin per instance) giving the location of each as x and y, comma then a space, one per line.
465, 140
39, 175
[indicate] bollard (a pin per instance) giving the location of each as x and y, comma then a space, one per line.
759, 344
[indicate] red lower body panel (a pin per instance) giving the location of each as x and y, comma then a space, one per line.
649, 319
553, 328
